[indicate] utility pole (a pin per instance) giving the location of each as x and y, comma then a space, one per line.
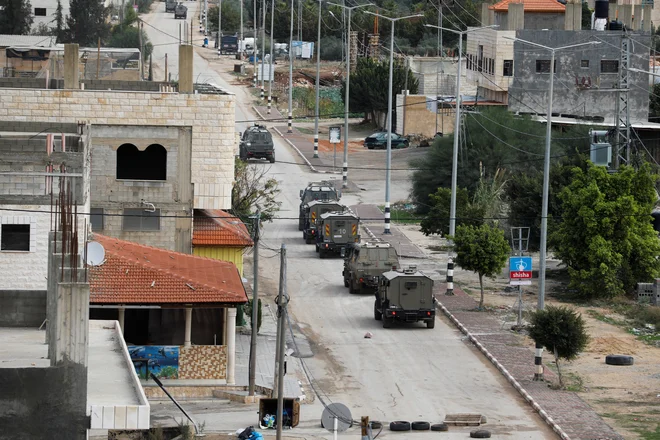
98, 58
220, 23
141, 50
255, 306
206, 17
454, 164
240, 32
282, 302
270, 61
538, 361
166, 68
318, 74
263, 48
291, 56
254, 47
388, 165
344, 178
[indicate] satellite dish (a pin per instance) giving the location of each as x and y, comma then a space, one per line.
337, 411
95, 254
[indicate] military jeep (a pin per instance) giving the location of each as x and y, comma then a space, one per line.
365, 263
405, 296
313, 211
257, 143
323, 190
336, 230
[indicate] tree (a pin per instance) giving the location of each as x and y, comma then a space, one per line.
524, 192
481, 249
606, 238
253, 188
87, 22
586, 16
437, 220
369, 85
654, 102
16, 17
561, 331
231, 19
59, 21
495, 138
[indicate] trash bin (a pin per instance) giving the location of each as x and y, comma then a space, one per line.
291, 411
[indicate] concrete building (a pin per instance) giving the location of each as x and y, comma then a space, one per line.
162, 150
33, 167
81, 378
170, 301
586, 78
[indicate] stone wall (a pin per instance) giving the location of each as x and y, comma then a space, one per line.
211, 117
203, 362
418, 119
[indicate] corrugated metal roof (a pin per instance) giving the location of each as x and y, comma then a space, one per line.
27, 40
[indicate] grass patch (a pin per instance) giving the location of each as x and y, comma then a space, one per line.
399, 213
305, 130
606, 319
643, 423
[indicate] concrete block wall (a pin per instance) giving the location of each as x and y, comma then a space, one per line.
23, 83
163, 238
22, 308
597, 101
211, 117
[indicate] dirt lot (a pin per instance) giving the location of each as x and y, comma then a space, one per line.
627, 397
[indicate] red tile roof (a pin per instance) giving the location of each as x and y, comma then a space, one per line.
214, 227
137, 274
530, 6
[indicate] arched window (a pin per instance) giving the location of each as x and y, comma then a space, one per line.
150, 164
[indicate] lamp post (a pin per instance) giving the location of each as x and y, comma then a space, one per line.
344, 183
457, 121
270, 60
290, 115
318, 74
254, 47
255, 308
538, 375
388, 172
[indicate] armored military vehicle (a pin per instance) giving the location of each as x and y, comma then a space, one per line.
336, 230
364, 264
313, 212
323, 190
405, 296
180, 11
170, 5
257, 143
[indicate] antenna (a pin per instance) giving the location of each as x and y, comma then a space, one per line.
95, 255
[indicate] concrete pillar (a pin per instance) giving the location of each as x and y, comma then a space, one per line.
186, 69
485, 14
230, 331
637, 17
573, 16
71, 61
646, 22
121, 311
625, 15
516, 16
188, 333
612, 10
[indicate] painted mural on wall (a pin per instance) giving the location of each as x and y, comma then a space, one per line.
161, 360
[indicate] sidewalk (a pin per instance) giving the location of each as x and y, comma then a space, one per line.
564, 411
265, 368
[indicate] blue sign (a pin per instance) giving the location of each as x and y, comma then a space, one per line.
520, 268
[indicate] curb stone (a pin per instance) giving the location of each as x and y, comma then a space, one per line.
311, 167
544, 415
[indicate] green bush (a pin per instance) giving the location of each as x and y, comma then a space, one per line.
248, 312
561, 330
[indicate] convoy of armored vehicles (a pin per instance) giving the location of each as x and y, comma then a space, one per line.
402, 295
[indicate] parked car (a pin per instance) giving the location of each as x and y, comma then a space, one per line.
379, 140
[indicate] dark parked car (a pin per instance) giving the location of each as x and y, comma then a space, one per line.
379, 140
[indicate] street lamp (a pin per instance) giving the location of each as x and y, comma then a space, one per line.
290, 116
457, 121
538, 375
318, 74
344, 183
270, 61
389, 115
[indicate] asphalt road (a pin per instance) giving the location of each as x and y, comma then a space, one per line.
405, 373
